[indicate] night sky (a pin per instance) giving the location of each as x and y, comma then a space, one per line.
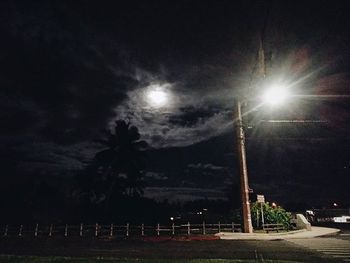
69, 69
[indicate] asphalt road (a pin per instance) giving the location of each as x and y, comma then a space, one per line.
344, 229
322, 249
344, 235
334, 246
219, 249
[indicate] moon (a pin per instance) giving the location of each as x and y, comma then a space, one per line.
157, 97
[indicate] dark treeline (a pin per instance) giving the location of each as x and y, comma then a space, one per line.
109, 189
45, 203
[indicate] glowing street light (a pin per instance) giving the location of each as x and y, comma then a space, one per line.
276, 95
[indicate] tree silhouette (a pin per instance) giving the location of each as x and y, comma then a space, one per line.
117, 170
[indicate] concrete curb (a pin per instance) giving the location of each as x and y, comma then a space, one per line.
315, 232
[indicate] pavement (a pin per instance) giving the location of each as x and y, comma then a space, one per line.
303, 233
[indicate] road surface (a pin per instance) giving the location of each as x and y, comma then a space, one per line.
219, 249
323, 249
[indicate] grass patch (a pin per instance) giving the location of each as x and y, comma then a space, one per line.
34, 259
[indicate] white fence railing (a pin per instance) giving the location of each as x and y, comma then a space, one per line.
114, 230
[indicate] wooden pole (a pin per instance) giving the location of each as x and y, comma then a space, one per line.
36, 230
20, 230
247, 219
111, 230
6, 230
50, 230
127, 229
96, 229
158, 230
81, 230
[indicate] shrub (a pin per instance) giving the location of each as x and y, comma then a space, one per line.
272, 215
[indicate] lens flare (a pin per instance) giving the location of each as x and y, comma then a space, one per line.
275, 95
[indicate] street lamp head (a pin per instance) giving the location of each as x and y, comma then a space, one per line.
276, 95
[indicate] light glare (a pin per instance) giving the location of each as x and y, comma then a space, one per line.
275, 96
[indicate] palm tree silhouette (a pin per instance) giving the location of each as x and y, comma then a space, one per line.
117, 170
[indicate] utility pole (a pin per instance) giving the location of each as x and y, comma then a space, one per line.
240, 140
261, 58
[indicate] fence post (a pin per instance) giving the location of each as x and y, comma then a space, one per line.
204, 228
188, 228
111, 230
142, 230
50, 230
219, 227
36, 230
66, 230
6, 230
81, 230
233, 227
127, 229
96, 229
173, 229
158, 230
20, 230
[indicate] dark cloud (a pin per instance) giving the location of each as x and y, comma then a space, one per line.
70, 68
207, 166
175, 194
190, 115
78, 62
51, 60
155, 176
20, 115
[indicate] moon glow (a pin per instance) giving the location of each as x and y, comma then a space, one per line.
157, 97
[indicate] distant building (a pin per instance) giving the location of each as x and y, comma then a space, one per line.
341, 219
328, 215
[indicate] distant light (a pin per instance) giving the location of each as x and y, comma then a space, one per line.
273, 204
157, 97
171, 218
335, 204
275, 95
